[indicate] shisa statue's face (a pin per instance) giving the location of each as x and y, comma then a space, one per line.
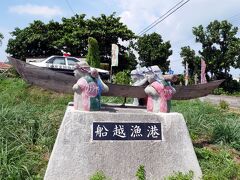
134, 77
78, 74
150, 77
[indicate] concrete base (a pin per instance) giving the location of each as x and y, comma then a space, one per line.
77, 156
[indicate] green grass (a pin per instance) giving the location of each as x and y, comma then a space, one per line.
30, 118
217, 163
215, 133
204, 121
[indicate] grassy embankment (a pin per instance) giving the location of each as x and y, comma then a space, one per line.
30, 118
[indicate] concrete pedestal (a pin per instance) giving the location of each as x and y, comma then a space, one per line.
76, 156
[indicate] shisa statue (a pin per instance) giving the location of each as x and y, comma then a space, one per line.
159, 91
138, 79
88, 89
142, 76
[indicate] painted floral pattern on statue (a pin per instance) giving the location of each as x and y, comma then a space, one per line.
88, 89
159, 91
90, 95
165, 93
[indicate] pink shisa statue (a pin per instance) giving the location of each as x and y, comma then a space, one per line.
88, 89
159, 91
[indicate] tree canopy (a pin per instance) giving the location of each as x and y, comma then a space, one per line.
193, 61
153, 51
1, 37
220, 47
39, 39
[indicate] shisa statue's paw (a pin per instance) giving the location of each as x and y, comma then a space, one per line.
75, 87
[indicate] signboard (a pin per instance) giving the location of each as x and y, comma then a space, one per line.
126, 131
115, 51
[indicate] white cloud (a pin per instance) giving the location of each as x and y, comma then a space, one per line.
138, 14
36, 10
6, 35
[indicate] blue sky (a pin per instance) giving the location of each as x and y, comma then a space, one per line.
136, 14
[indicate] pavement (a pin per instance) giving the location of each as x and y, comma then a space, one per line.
233, 101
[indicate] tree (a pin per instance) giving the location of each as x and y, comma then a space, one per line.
220, 47
108, 30
39, 39
1, 37
193, 61
74, 35
93, 57
153, 51
129, 59
36, 40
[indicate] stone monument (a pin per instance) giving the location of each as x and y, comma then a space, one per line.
118, 140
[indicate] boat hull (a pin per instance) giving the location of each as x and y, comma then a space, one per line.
60, 82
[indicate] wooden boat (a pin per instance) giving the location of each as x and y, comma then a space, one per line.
59, 82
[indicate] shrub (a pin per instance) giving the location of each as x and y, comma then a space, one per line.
219, 91
230, 85
223, 105
93, 56
122, 77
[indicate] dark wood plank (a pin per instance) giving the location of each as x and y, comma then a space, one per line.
63, 83
125, 91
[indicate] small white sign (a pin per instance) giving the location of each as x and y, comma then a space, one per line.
115, 51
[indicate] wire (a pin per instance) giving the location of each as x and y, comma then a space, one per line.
163, 18
160, 17
70, 7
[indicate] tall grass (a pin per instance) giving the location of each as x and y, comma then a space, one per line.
30, 118
228, 132
214, 132
207, 122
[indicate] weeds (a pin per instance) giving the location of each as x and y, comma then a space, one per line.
223, 105
30, 118
99, 175
217, 164
206, 122
227, 132
181, 176
141, 174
